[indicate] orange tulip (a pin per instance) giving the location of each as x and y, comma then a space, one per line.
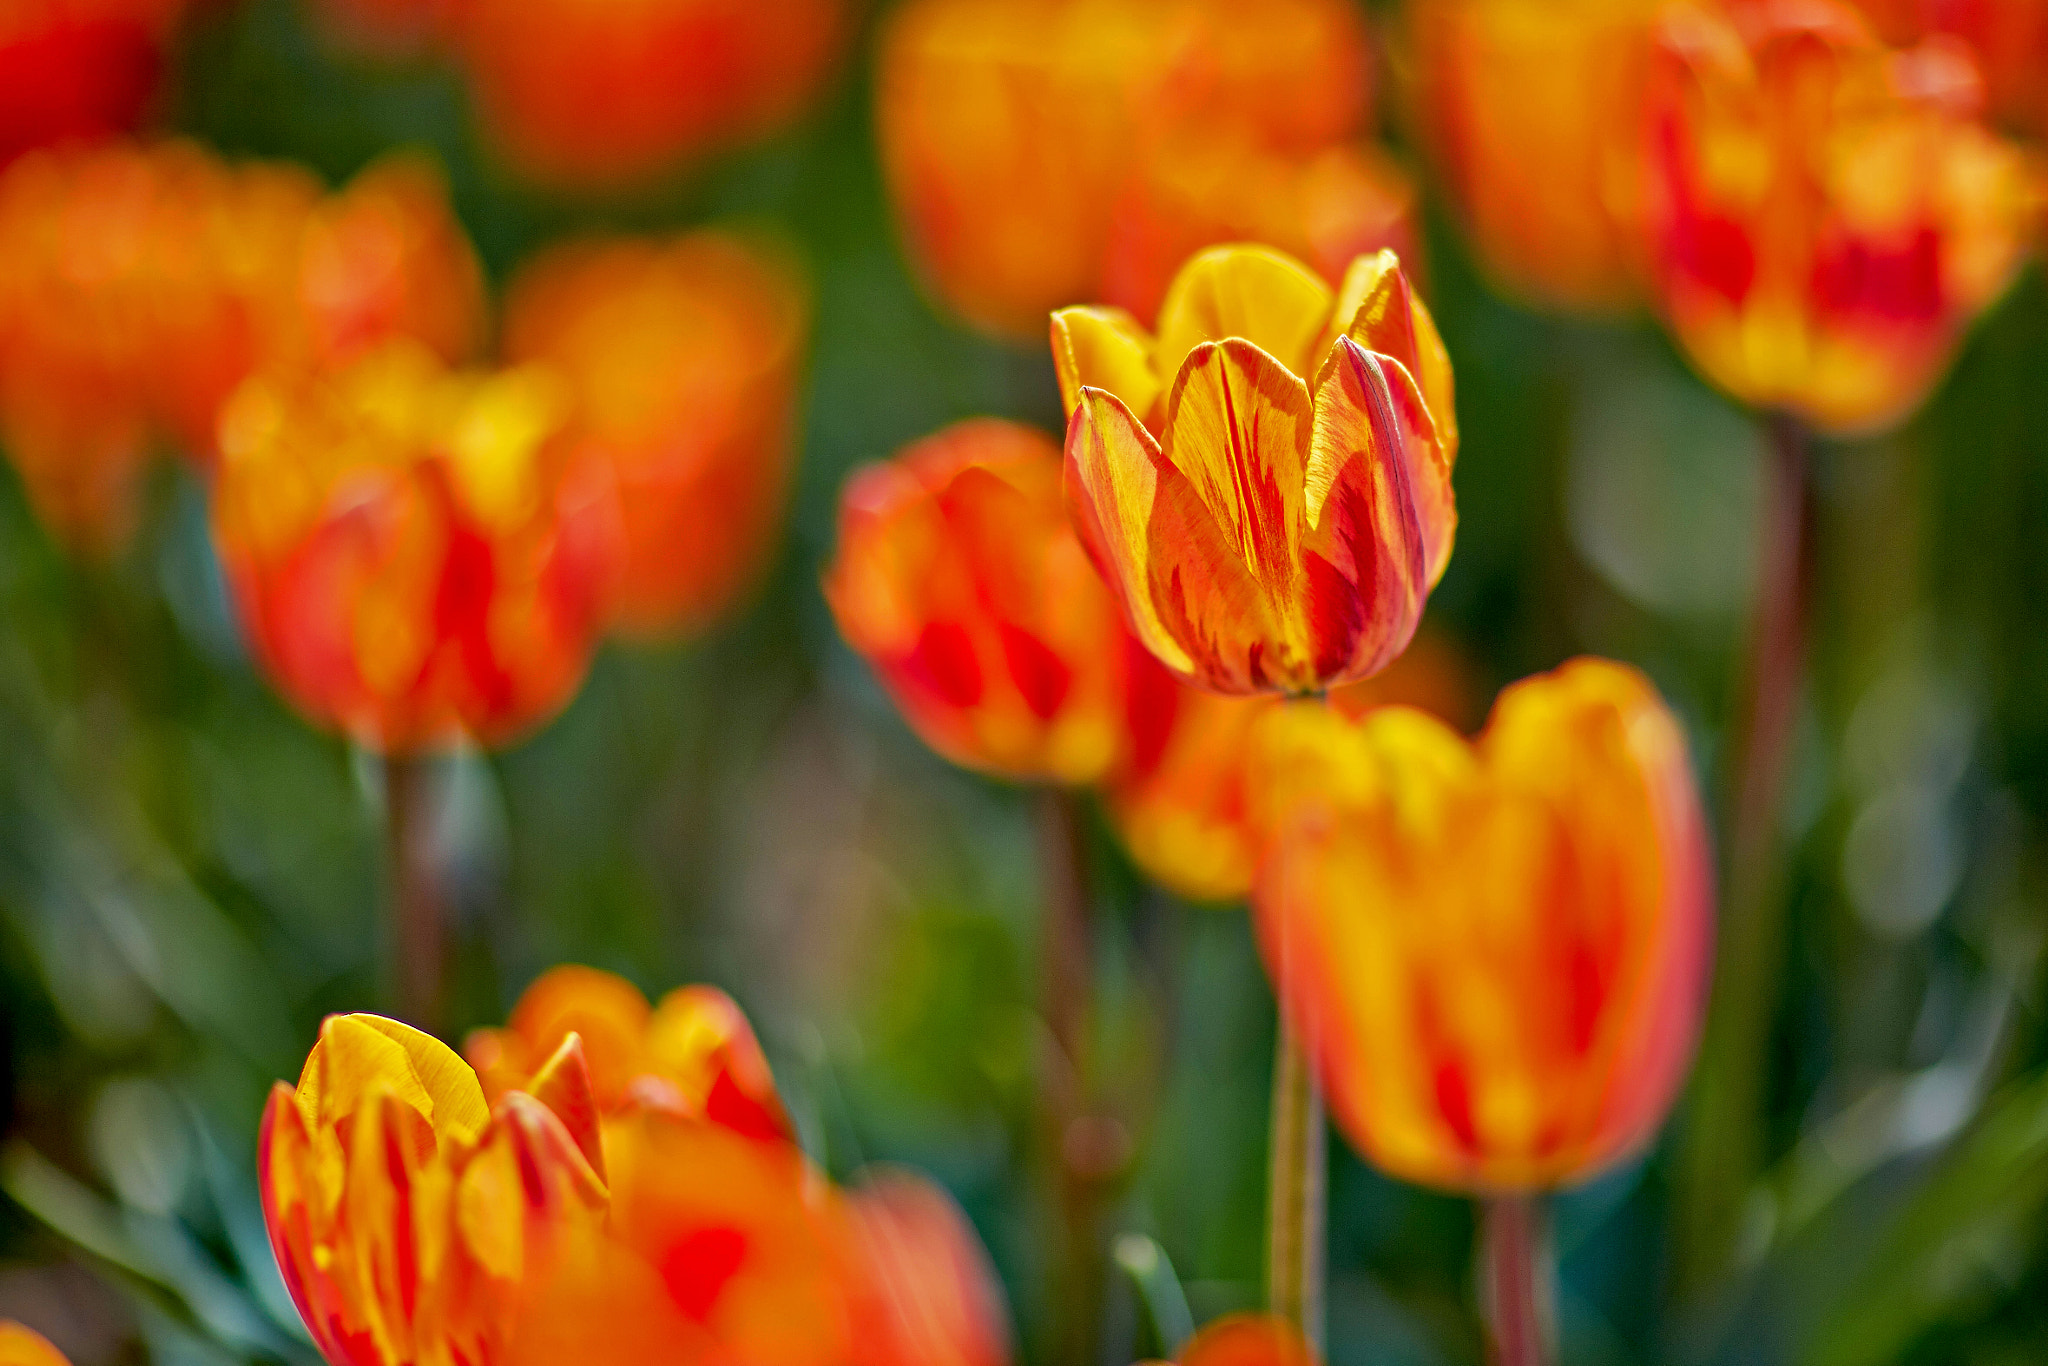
79, 68
601, 95
1179, 799
412, 1222
1248, 1340
140, 285
20, 1346
409, 559
683, 356
959, 578
1826, 215
1530, 107
2008, 37
694, 1054
934, 1298
1267, 483
1496, 952
1044, 151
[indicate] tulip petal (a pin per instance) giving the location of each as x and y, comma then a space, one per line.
563, 1086
21, 1346
1237, 426
1261, 295
359, 1055
1378, 308
1187, 595
1375, 525
1104, 348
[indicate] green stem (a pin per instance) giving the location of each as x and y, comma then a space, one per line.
1294, 1189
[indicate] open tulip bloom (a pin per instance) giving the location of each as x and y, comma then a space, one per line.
1266, 482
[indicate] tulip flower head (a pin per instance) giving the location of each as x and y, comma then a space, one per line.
410, 559
959, 578
79, 69
411, 1220
1498, 951
1826, 215
1266, 483
1531, 110
683, 358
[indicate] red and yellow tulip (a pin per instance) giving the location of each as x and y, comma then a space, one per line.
1531, 110
1826, 215
1266, 483
682, 356
960, 579
1496, 952
412, 560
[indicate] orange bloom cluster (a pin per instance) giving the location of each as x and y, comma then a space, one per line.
78, 68
140, 285
21, 1346
654, 1207
2008, 37
1041, 152
1531, 108
1496, 952
960, 579
414, 552
1266, 483
1826, 215
683, 358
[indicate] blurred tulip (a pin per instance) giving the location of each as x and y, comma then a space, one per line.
1826, 216
1267, 483
959, 578
1497, 952
1179, 799
78, 68
694, 1054
411, 559
585, 95
683, 356
412, 1222
140, 285
1044, 151
1531, 110
2008, 37
1248, 1340
21, 1346
935, 1298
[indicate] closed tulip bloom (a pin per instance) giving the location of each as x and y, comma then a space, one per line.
1266, 484
21, 1346
1826, 215
693, 1054
413, 1222
1179, 798
1044, 151
79, 69
960, 580
1530, 108
594, 96
1497, 951
410, 560
683, 356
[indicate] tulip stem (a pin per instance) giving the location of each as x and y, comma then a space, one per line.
1084, 1148
1724, 1151
1294, 1189
1519, 1286
416, 894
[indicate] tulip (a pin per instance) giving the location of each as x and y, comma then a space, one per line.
1178, 798
1044, 151
934, 1298
410, 560
1248, 1340
1530, 108
1497, 951
1826, 215
960, 580
1265, 484
21, 1346
596, 96
411, 1221
79, 69
683, 356
693, 1054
